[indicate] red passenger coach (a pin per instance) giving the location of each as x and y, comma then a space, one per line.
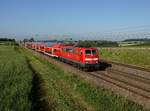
48, 50
28, 45
38, 45
42, 47
54, 50
33, 45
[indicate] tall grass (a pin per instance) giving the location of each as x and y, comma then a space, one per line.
135, 56
15, 80
53, 91
65, 91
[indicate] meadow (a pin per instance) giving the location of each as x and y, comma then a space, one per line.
139, 56
15, 80
29, 82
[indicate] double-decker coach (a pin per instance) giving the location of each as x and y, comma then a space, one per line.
53, 50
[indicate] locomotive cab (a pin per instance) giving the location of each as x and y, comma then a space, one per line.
90, 57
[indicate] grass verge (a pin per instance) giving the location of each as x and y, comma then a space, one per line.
15, 80
135, 56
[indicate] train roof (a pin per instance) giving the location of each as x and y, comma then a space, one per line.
89, 48
57, 45
50, 44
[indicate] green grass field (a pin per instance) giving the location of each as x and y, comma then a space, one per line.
52, 88
15, 80
130, 55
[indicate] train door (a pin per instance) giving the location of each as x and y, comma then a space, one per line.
81, 55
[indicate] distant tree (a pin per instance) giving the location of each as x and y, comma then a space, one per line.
28, 40
31, 39
25, 40
138, 39
96, 43
83, 44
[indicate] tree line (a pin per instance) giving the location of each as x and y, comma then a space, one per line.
97, 43
140, 40
7, 40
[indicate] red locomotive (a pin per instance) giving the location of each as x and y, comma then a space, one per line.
83, 57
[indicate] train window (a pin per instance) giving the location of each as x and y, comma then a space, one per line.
93, 52
74, 51
64, 49
68, 50
88, 52
71, 50
55, 50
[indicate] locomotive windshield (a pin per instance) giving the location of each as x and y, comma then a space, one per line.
90, 52
93, 52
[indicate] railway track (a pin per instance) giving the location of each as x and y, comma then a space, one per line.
131, 76
123, 84
127, 65
134, 83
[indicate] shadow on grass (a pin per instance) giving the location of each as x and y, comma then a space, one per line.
38, 93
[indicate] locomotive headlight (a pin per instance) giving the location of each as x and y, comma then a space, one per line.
95, 58
89, 59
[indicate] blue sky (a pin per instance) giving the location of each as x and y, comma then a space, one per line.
73, 17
